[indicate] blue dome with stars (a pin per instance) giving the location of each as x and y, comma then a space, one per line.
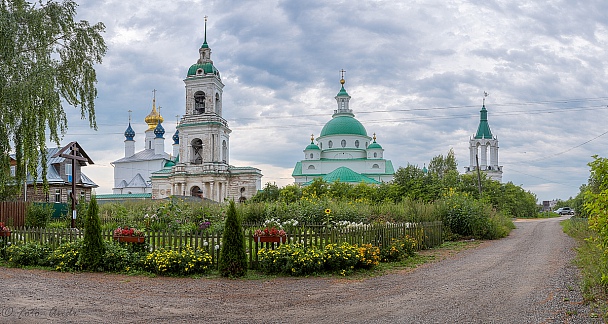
176, 137
159, 131
129, 133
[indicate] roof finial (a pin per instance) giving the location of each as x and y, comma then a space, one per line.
342, 79
312, 138
374, 137
130, 111
205, 41
485, 94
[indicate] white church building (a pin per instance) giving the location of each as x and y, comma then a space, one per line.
132, 172
483, 149
343, 152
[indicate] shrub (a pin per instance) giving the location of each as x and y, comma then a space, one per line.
117, 257
340, 258
92, 245
369, 256
65, 257
28, 254
188, 261
162, 261
398, 249
38, 215
291, 259
233, 259
465, 216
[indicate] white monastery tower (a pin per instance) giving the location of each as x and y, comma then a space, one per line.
483, 149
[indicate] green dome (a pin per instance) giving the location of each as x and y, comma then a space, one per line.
374, 145
343, 125
208, 68
312, 146
169, 164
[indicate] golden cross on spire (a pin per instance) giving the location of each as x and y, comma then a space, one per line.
312, 137
342, 73
130, 111
154, 96
485, 94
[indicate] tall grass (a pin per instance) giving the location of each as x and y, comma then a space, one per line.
591, 261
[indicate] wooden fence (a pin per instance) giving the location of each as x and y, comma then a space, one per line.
12, 213
427, 235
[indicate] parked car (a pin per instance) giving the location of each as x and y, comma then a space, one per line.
566, 211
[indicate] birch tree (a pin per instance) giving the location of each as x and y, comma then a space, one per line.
46, 61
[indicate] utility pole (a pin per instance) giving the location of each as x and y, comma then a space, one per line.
478, 174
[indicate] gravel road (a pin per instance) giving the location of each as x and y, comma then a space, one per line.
525, 278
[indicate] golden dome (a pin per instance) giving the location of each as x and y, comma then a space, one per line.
153, 117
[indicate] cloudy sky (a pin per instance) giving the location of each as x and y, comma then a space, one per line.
416, 71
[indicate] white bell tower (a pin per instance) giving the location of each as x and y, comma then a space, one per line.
203, 132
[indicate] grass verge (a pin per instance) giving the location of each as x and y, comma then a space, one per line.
590, 260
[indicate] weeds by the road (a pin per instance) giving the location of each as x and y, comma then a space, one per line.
588, 256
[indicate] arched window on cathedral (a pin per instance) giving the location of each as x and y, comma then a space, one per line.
199, 102
343, 143
330, 144
375, 166
311, 156
311, 167
357, 143
196, 153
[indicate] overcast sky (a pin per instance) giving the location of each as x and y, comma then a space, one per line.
416, 71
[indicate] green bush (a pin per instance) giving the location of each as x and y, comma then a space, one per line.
233, 259
92, 246
291, 259
189, 261
65, 257
28, 254
340, 258
38, 215
369, 256
117, 258
297, 260
398, 249
466, 217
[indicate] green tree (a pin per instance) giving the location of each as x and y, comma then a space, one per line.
440, 165
415, 184
290, 193
318, 188
46, 59
233, 259
269, 193
92, 245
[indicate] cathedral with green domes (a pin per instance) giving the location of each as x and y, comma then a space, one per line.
343, 152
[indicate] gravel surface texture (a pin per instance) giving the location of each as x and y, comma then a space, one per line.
527, 277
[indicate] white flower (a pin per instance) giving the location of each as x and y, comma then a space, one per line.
217, 247
205, 243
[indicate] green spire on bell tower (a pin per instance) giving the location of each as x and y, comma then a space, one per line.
483, 131
205, 41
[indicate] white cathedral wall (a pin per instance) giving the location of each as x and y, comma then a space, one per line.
127, 170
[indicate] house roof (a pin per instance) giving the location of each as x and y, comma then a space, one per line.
54, 156
145, 155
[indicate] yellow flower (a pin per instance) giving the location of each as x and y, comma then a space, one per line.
327, 211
